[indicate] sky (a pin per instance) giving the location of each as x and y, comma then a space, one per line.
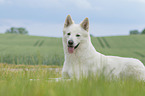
46, 17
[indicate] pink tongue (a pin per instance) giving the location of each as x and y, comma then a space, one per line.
70, 49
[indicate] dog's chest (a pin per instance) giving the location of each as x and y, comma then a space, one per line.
81, 67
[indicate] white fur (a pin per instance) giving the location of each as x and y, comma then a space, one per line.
85, 59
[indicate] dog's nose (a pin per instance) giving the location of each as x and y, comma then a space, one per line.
70, 42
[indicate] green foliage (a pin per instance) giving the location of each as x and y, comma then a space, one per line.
134, 32
14, 30
143, 32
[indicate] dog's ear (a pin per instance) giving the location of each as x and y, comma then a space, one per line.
85, 24
68, 21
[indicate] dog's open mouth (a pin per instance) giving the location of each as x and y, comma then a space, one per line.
71, 48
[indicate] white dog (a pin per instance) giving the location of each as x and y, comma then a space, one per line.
81, 58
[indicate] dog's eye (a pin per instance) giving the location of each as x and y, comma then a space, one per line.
77, 35
68, 34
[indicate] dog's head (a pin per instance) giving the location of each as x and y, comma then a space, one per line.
75, 35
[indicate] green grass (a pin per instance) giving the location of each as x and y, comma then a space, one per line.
28, 57
21, 49
35, 50
18, 83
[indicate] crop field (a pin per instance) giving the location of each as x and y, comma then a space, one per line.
34, 50
28, 62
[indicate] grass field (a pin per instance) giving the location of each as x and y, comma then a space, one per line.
34, 50
27, 57
18, 83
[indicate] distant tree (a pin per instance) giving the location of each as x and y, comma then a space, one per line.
22, 31
14, 30
134, 32
143, 32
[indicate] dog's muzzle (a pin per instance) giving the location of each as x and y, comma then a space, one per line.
71, 47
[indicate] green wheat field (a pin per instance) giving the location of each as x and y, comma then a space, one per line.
27, 63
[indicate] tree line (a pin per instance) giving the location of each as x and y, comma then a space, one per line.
21, 30
14, 30
136, 32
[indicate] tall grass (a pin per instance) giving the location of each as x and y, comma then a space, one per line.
32, 59
36, 51
18, 83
